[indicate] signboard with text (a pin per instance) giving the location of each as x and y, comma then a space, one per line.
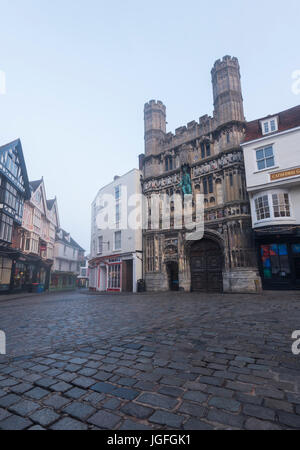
285, 174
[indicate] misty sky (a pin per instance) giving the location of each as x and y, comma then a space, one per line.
78, 74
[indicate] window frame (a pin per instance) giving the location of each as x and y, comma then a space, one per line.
270, 198
119, 233
265, 158
268, 122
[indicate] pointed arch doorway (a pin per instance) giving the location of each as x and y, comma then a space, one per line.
206, 259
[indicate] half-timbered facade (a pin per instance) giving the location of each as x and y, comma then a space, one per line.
37, 239
209, 151
14, 190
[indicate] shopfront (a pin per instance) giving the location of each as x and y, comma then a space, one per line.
112, 274
30, 274
5, 273
62, 281
114, 279
279, 261
23, 276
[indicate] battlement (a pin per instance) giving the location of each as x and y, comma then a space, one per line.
226, 61
155, 104
186, 133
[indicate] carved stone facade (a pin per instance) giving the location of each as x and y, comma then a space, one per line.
225, 258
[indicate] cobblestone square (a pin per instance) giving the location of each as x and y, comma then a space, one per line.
170, 361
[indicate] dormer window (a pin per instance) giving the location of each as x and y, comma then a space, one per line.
269, 125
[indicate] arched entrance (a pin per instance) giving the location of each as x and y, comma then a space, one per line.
173, 276
206, 266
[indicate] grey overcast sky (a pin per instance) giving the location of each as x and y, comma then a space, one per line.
78, 73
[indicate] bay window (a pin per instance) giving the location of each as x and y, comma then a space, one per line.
262, 207
272, 205
281, 205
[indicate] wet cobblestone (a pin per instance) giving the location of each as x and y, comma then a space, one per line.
159, 361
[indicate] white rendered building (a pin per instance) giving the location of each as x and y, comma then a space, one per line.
116, 247
272, 160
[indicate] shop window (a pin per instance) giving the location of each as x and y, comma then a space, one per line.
275, 261
5, 271
114, 276
296, 249
281, 205
262, 207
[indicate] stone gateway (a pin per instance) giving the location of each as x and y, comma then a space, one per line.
205, 158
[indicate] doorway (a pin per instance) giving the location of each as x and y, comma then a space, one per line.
206, 266
173, 276
127, 276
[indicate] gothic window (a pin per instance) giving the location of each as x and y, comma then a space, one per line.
205, 150
150, 254
208, 150
169, 163
210, 184
205, 186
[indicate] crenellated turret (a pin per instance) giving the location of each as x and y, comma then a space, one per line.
155, 126
227, 90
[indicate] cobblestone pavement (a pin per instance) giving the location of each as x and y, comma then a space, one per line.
153, 361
